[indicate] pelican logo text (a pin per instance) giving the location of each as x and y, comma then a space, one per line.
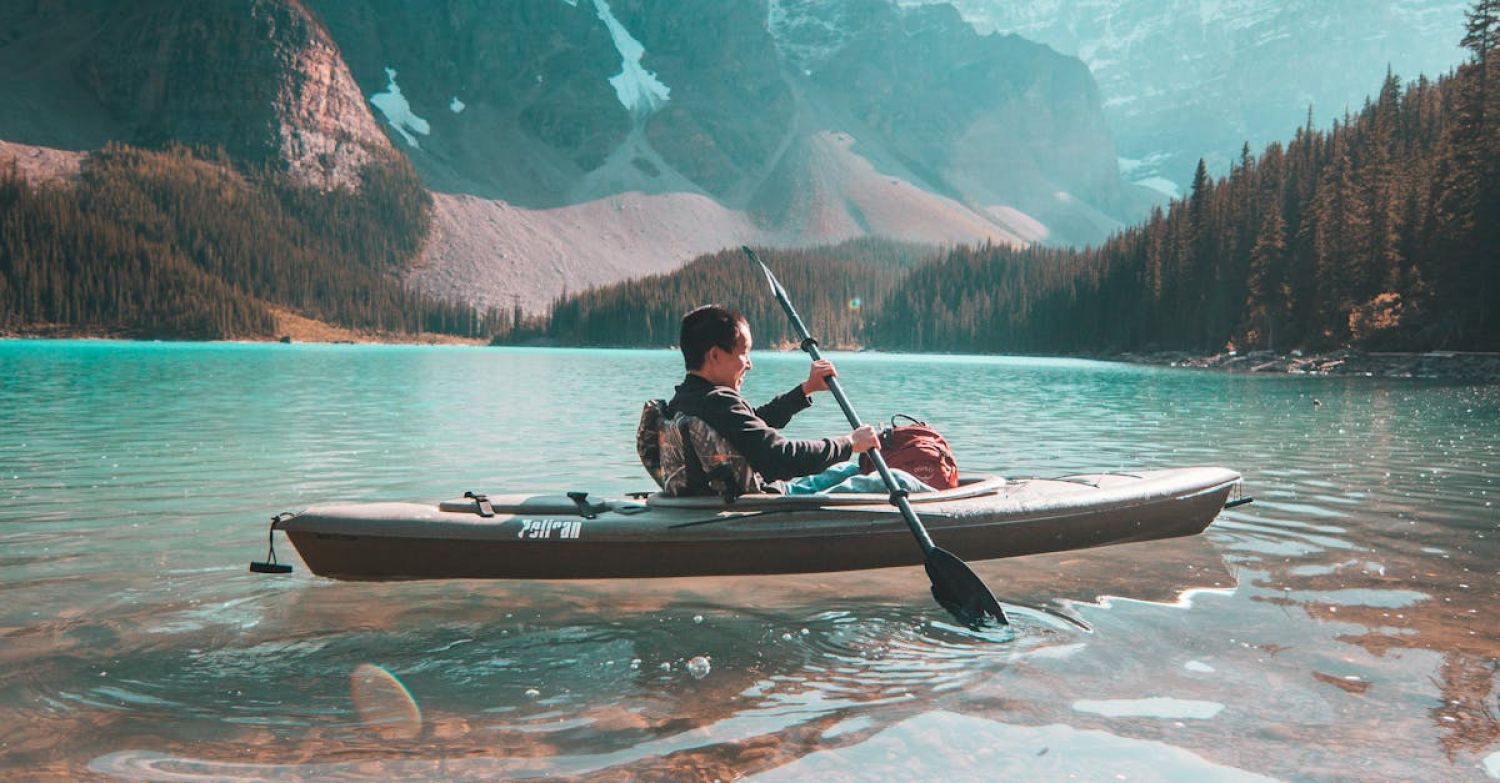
545, 528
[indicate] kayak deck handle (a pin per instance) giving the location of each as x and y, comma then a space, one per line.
580, 499
481, 504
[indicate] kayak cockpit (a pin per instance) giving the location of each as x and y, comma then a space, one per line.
968, 487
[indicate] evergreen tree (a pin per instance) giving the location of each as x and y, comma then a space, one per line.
1267, 302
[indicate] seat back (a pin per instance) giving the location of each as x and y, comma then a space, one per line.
648, 439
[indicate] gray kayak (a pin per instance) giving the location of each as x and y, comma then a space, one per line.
576, 536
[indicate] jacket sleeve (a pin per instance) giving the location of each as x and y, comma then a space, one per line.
775, 458
779, 412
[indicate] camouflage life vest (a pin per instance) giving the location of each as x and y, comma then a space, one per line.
685, 456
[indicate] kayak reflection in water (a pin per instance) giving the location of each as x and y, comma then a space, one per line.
712, 437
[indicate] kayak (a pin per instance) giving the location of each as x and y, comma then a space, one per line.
577, 536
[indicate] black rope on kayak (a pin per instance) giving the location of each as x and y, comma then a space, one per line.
270, 566
1238, 496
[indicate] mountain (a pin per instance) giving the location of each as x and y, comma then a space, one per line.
575, 143
1378, 234
259, 78
290, 199
1189, 79
575, 138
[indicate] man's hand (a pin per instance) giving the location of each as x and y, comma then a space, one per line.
817, 377
865, 439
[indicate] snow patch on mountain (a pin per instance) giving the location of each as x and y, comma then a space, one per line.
1161, 185
637, 88
398, 112
1132, 166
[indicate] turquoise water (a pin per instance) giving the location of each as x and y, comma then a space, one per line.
1343, 626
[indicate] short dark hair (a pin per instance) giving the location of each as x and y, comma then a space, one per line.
706, 327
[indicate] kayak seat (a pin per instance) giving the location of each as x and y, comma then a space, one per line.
687, 457
648, 439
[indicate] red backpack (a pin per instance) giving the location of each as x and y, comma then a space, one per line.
917, 449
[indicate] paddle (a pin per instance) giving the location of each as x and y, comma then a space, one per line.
954, 584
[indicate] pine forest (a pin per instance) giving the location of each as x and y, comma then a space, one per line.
180, 243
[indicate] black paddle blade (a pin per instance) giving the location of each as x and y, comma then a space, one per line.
960, 590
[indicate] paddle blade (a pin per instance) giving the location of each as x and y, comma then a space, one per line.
961, 591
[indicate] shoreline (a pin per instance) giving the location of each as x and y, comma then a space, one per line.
1471, 366
422, 339
291, 329
1467, 366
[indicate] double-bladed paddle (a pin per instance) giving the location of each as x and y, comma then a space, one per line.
954, 584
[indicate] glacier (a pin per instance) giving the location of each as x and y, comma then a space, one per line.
637, 88
398, 112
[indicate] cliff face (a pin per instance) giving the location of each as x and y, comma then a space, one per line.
996, 122
546, 103
260, 78
539, 102
501, 99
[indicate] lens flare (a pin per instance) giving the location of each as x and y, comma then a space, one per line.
855, 303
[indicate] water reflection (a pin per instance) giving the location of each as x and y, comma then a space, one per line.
1342, 627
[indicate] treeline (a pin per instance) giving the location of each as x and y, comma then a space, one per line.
183, 243
832, 293
1383, 232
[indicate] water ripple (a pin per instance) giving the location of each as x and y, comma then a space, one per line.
137, 479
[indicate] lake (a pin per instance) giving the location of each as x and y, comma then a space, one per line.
1343, 626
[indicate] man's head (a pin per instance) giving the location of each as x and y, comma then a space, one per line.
715, 343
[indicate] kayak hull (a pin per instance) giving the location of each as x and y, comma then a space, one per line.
700, 537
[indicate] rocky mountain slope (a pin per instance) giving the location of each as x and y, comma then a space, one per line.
577, 142
259, 78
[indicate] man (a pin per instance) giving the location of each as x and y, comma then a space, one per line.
716, 344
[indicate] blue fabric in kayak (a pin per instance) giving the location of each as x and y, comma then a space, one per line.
845, 477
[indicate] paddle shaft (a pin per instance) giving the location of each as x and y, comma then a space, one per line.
898, 497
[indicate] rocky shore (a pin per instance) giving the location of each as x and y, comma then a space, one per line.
1448, 365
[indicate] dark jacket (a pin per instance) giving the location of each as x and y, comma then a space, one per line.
753, 432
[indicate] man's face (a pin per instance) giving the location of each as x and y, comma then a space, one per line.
728, 368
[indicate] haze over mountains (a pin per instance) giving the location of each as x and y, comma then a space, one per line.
1189, 79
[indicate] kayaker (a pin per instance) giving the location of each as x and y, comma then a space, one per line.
716, 344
